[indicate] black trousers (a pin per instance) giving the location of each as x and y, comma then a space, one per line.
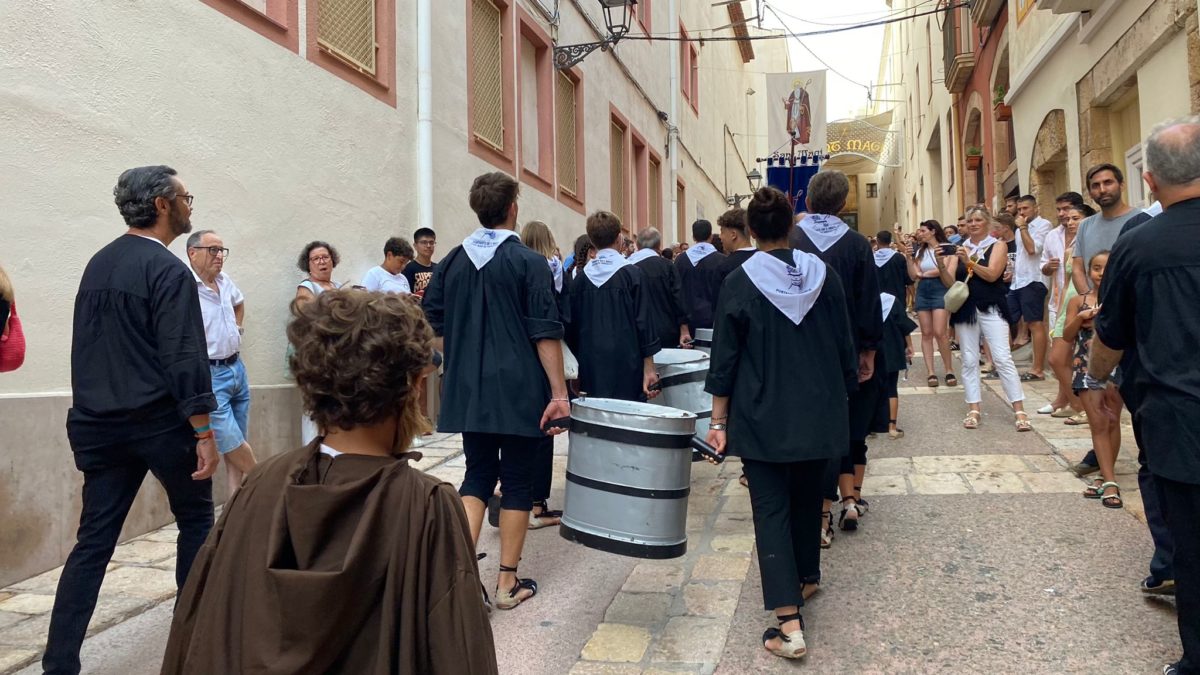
786, 501
1182, 502
510, 459
543, 470
1152, 499
111, 478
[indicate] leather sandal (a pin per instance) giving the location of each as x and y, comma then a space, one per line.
972, 420
1023, 423
544, 519
1114, 500
793, 643
826, 529
860, 503
512, 597
896, 433
932, 381
849, 524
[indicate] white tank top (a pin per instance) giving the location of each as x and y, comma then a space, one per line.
928, 262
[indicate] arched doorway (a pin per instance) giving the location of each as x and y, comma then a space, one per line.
1048, 176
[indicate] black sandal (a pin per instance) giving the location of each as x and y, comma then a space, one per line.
860, 503
544, 519
848, 524
793, 643
493, 507
826, 532
932, 381
951, 380
511, 598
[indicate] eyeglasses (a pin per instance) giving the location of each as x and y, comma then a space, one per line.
320, 258
187, 199
214, 250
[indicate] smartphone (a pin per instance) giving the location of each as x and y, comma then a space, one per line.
949, 249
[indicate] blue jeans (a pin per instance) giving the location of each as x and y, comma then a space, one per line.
231, 420
112, 476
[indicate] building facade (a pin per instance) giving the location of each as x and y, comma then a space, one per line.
348, 121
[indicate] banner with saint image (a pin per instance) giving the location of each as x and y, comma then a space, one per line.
796, 111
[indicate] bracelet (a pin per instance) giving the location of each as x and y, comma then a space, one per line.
564, 400
200, 430
205, 434
716, 427
720, 419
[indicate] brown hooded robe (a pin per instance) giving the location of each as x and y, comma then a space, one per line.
354, 564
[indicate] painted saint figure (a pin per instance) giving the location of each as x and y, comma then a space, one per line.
799, 113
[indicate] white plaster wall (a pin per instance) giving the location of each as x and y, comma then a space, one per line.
277, 151
1164, 91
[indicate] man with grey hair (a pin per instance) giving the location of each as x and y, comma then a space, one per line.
1148, 308
660, 282
849, 253
141, 395
224, 309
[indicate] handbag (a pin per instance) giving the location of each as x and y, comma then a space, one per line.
12, 345
956, 296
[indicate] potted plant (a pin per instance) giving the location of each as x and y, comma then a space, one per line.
1003, 112
974, 158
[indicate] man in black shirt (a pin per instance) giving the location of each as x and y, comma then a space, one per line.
419, 270
141, 395
663, 291
1148, 306
738, 245
701, 270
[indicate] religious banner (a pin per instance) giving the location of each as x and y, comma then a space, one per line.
792, 181
796, 111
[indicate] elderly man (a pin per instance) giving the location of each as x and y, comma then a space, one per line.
224, 310
1148, 311
141, 394
660, 283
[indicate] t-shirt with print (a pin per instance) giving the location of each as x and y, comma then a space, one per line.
418, 276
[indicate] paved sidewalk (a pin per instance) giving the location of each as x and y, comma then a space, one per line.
978, 554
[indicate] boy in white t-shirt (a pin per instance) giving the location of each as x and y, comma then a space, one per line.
389, 277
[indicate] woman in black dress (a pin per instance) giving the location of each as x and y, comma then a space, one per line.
783, 358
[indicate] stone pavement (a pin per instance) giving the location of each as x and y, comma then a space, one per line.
978, 553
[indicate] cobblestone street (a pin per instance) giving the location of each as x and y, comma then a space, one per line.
978, 553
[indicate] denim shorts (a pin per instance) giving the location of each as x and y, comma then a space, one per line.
230, 421
931, 295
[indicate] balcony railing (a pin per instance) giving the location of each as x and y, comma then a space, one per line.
959, 57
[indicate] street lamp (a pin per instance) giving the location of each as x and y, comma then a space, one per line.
754, 178
617, 17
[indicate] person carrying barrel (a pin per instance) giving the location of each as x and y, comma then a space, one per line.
783, 360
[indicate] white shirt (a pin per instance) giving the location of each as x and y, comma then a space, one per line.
220, 325
1028, 268
379, 279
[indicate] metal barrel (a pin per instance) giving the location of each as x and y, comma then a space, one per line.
702, 340
681, 374
629, 470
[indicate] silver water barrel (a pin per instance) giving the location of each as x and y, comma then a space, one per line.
629, 472
702, 340
681, 374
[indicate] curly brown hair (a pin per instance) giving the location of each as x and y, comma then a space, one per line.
359, 358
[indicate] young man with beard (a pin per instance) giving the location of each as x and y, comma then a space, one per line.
823, 234
1106, 186
141, 397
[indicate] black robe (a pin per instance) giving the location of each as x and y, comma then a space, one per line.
894, 279
787, 382
610, 332
851, 257
736, 259
664, 294
701, 286
354, 564
492, 319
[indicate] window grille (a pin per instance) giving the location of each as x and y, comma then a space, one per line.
487, 96
618, 167
346, 29
655, 189
568, 173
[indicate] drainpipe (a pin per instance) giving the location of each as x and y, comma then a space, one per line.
673, 122
424, 114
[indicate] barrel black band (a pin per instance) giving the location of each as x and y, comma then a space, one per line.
684, 378
644, 493
625, 548
629, 436
704, 415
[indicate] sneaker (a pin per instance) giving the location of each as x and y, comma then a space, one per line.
1046, 410
1171, 669
1084, 469
1153, 586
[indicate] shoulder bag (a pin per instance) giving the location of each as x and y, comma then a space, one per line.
12, 344
956, 296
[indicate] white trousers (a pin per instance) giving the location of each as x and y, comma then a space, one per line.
994, 329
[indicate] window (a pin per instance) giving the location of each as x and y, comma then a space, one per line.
355, 40
685, 64
680, 210
694, 77
536, 98
872, 190
568, 112
640, 171
491, 114
618, 166
642, 10
654, 188
277, 20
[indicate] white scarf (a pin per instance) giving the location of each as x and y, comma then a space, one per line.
606, 263
887, 300
481, 246
977, 251
642, 254
793, 289
882, 256
698, 252
823, 230
556, 270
